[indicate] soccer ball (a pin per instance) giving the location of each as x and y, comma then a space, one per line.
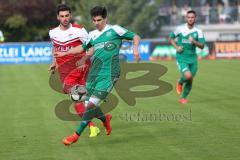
78, 93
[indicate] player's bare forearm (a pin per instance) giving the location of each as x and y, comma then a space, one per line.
86, 57
90, 52
178, 48
136, 41
198, 44
53, 66
53, 58
172, 42
76, 50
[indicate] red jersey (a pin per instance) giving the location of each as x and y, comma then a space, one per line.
62, 41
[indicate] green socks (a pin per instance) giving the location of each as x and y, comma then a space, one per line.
99, 114
182, 80
87, 117
187, 88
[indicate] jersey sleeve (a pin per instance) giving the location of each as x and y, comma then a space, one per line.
124, 33
201, 38
175, 33
88, 43
50, 36
84, 35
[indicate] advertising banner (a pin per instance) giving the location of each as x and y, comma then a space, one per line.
23, 53
144, 50
168, 52
41, 52
227, 49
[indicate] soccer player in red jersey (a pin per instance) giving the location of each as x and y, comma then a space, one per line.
64, 37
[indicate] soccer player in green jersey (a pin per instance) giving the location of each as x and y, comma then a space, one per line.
188, 38
104, 45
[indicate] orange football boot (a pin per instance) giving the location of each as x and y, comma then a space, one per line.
107, 124
179, 87
70, 139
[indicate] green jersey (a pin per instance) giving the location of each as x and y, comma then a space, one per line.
106, 45
182, 32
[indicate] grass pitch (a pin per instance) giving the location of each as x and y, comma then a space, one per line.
205, 129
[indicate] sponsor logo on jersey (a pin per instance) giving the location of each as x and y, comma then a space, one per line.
109, 46
186, 41
62, 48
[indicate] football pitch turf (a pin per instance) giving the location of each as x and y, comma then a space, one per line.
207, 128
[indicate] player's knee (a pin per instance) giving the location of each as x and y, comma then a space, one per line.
93, 102
189, 78
90, 105
188, 75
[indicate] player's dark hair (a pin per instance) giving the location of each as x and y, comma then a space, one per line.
98, 11
63, 7
193, 12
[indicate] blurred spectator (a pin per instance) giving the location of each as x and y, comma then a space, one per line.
234, 13
220, 7
221, 13
214, 17
1, 37
216, 12
173, 13
164, 14
206, 12
227, 13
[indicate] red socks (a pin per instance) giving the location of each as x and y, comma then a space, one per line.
80, 109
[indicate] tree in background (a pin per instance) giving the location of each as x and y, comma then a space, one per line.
27, 20
30, 20
139, 15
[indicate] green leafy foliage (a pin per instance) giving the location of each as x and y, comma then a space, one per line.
140, 16
27, 20
30, 20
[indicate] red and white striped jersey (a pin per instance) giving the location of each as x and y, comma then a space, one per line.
62, 41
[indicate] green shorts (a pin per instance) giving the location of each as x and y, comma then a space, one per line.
100, 86
192, 67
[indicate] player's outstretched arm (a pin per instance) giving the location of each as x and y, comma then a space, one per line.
88, 55
76, 50
136, 41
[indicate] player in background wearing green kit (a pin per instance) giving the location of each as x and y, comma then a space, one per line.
188, 38
104, 45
